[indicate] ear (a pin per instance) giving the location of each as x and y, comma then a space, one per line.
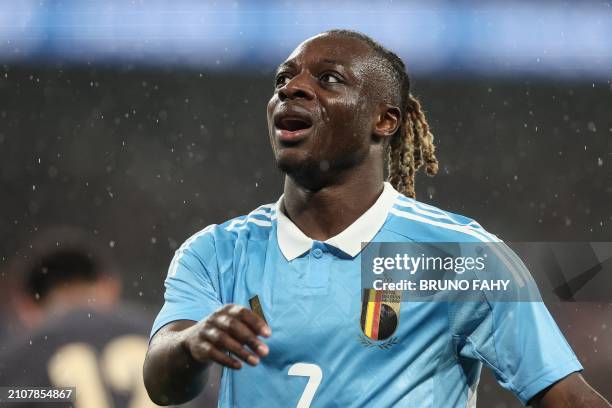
388, 120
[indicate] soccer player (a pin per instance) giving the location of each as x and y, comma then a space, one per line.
279, 289
80, 334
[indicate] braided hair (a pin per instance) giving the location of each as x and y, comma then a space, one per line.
411, 146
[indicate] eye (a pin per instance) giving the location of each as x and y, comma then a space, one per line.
331, 78
281, 80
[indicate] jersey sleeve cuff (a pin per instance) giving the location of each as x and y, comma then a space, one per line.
195, 315
548, 378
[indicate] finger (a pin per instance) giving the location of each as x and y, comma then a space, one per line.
241, 333
224, 359
251, 319
224, 342
205, 352
231, 345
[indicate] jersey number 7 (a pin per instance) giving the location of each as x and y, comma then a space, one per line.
314, 374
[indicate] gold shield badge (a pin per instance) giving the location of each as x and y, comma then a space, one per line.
256, 307
380, 313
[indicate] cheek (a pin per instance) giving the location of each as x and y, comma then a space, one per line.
342, 115
353, 118
364, 108
343, 132
270, 109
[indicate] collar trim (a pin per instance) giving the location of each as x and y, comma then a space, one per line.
293, 242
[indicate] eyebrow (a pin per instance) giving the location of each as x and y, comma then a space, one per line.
291, 64
286, 64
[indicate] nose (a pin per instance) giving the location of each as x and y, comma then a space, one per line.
296, 88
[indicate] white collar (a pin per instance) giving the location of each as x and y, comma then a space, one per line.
293, 242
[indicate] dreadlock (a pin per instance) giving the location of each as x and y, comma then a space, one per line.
412, 144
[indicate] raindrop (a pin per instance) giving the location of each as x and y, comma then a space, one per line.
591, 127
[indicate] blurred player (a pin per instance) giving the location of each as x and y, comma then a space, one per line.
9, 324
290, 271
80, 335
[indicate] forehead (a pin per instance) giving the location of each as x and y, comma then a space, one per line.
348, 51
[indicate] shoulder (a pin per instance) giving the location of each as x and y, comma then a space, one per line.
95, 325
117, 330
205, 243
413, 221
258, 221
418, 221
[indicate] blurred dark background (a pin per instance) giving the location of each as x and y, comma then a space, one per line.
143, 155
143, 159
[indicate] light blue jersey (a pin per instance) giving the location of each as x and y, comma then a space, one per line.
310, 293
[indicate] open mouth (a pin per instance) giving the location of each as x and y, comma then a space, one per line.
292, 123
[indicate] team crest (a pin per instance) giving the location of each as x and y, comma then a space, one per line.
380, 314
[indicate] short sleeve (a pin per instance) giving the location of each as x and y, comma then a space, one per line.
191, 287
518, 340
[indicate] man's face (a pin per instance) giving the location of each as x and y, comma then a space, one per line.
321, 115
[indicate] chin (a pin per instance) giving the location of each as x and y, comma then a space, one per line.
293, 162
301, 167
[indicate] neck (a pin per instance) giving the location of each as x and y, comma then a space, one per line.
323, 213
99, 295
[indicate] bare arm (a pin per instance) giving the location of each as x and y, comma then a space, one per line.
180, 353
170, 374
571, 392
